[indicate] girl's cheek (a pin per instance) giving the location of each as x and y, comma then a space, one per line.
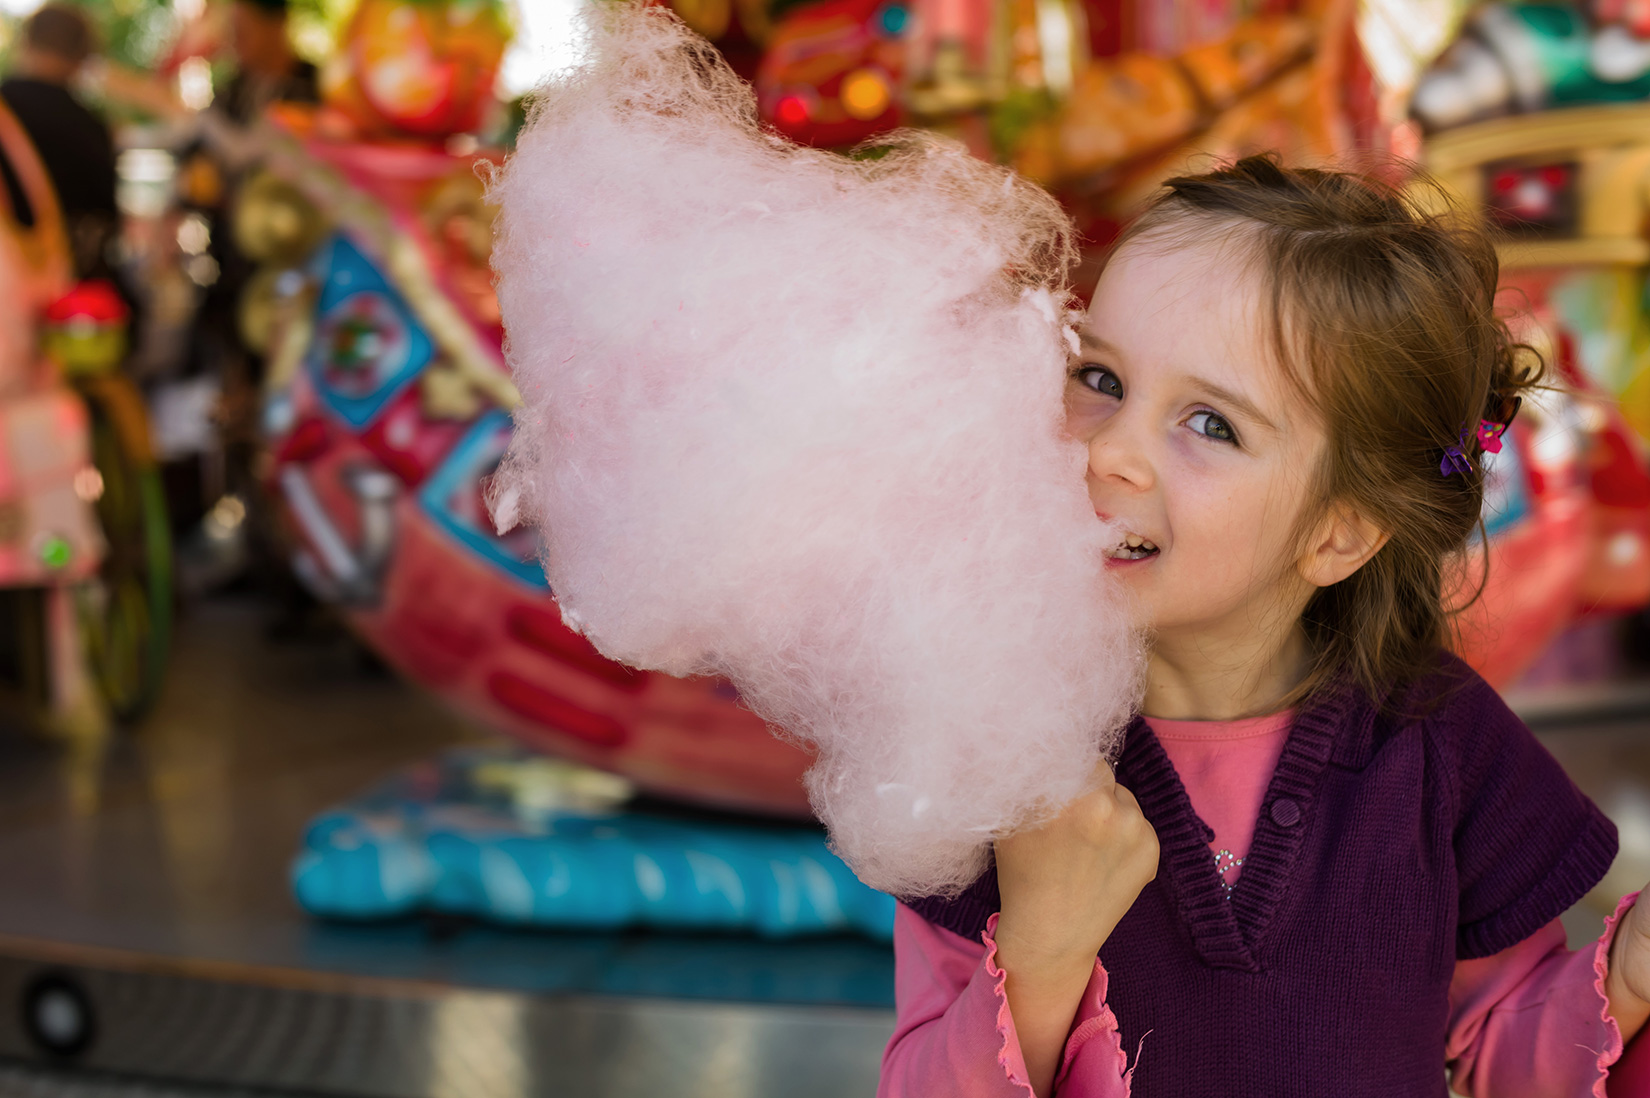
1199, 488
1196, 458
1085, 414
1081, 427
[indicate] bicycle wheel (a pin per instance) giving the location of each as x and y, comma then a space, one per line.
127, 610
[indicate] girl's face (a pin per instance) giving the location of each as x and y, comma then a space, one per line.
1198, 446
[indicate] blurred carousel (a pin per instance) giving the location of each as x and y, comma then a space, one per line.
695, 935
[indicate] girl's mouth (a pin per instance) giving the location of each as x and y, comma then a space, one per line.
1134, 547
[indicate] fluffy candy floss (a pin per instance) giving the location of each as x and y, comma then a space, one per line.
796, 419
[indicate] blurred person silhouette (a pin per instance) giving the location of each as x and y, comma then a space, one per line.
73, 142
267, 69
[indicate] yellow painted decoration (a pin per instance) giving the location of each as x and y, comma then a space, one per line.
85, 350
417, 67
274, 222
709, 17
1635, 404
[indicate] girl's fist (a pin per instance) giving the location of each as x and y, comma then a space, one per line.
1065, 885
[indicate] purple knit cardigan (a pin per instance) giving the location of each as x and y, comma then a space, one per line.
1387, 848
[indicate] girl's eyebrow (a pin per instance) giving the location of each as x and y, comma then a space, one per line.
1089, 339
1236, 401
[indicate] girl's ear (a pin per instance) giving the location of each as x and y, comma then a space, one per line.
1344, 542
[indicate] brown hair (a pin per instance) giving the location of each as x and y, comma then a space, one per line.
1383, 315
61, 30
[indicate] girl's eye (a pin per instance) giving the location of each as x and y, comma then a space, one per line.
1211, 425
1100, 379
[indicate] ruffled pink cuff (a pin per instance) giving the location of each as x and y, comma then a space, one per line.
1009, 1056
1094, 1048
1095, 1036
1623, 1072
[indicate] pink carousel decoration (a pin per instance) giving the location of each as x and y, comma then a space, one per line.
388, 405
49, 535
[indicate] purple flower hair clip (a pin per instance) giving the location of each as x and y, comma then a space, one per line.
1455, 461
1488, 437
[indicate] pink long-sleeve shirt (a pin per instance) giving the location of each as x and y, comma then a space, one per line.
1529, 1022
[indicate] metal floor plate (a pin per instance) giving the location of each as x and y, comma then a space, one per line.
143, 898
30, 1081
322, 1034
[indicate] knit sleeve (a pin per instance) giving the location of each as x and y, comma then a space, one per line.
1528, 843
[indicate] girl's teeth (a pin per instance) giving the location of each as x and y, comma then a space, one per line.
1134, 547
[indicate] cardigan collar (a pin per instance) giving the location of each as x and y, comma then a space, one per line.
1339, 726
1228, 931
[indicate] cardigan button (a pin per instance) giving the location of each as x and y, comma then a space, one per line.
1285, 812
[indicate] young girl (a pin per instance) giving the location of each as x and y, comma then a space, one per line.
1331, 861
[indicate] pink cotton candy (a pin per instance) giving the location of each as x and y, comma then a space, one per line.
796, 419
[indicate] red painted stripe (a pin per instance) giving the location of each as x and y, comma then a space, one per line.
543, 631
306, 443
555, 712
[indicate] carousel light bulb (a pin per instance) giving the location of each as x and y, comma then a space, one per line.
195, 83
88, 484
1624, 549
894, 19
55, 551
865, 93
194, 234
792, 111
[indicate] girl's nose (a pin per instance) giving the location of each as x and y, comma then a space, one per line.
1117, 456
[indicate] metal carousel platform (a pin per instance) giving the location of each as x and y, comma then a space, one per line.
149, 945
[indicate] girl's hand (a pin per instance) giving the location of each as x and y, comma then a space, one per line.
1628, 983
1065, 886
